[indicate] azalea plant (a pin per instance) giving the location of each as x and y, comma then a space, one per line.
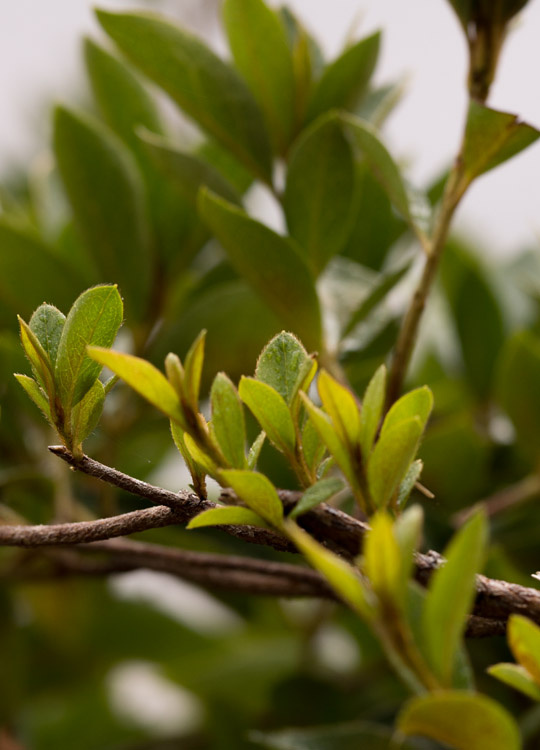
318, 463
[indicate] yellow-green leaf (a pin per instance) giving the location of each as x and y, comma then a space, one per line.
382, 559
524, 640
228, 421
36, 394
517, 677
417, 403
371, 412
257, 492
193, 364
390, 460
271, 411
318, 493
227, 515
340, 404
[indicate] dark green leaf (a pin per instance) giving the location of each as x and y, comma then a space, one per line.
47, 324
261, 53
463, 720
205, 87
228, 421
106, 193
450, 596
345, 80
94, 319
320, 192
284, 365
318, 493
270, 263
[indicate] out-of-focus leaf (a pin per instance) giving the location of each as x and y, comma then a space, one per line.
270, 263
491, 138
144, 378
257, 492
350, 736
228, 421
318, 493
193, 365
230, 515
450, 596
47, 324
186, 171
417, 403
94, 319
524, 640
320, 194
382, 559
408, 532
379, 292
463, 720
341, 576
340, 404
87, 412
106, 192
31, 272
371, 412
284, 365
271, 411
517, 677
470, 10
204, 87
345, 80
378, 103
261, 53
122, 99
36, 394
519, 388
391, 458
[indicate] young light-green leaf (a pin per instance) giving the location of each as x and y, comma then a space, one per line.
340, 404
371, 411
320, 193
206, 89
36, 395
229, 515
255, 450
38, 358
107, 194
524, 640
228, 421
284, 365
144, 378
193, 365
270, 263
463, 720
382, 560
94, 319
450, 596
417, 403
47, 324
257, 492
345, 80
517, 677
271, 411
261, 53
318, 493
86, 414
391, 458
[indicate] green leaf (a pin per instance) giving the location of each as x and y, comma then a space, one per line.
270, 263
450, 596
255, 450
343, 578
86, 414
382, 560
524, 640
187, 172
371, 411
341, 406
107, 196
38, 358
201, 459
518, 391
318, 493
391, 458
261, 53
229, 515
313, 446
331, 439
410, 479
228, 421
408, 532
271, 411
205, 88
36, 394
193, 365
47, 324
284, 365
357, 735
197, 474
491, 138
517, 677
463, 720
257, 492
144, 378
345, 80
378, 293
379, 161
417, 403
122, 99
94, 318
320, 193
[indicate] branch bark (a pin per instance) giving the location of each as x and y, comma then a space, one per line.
495, 600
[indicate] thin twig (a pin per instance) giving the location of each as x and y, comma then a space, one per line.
504, 499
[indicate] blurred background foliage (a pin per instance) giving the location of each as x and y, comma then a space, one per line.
111, 664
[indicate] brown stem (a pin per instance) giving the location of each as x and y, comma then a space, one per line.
507, 498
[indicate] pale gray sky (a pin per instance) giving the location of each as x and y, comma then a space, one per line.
40, 62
